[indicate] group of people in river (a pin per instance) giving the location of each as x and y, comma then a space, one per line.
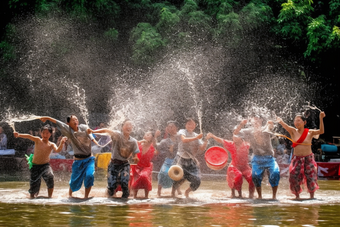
181, 148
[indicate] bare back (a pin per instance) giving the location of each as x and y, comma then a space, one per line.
42, 152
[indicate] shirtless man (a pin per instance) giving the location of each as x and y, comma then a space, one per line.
41, 167
259, 138
303, 165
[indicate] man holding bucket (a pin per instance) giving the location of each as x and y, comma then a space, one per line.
260, 141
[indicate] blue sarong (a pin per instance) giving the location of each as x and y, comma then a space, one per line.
163, 178
82, 170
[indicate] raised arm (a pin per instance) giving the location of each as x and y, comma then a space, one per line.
61, 144
285, 126
45, 118
321, 129
217, 139
26, 136
240, 126
102, 130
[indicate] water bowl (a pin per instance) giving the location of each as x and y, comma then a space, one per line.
175, 172
216, 158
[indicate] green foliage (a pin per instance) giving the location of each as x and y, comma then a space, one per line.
255, 15
189, 7
229, 27
167, 22
7, 51
213, 7
199, 22
293, 19
318, 33
111, 34
334, 8
230, 22
146, 43
16, 4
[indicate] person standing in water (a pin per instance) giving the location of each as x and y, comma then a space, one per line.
303, 166
83, 166
41, 167
169, 147
142, 173
259, 138
123, 146
190, 145
238, 168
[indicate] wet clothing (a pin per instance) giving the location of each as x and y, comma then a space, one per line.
118, 173
82, 170
261, 145
260, 142
191, 171
119, 167
239, 168
40, 171
165, 147
303, 169
259, 164
3, 141
142, 174
163, 177
186, 159
188, 150
121, 147
80, 140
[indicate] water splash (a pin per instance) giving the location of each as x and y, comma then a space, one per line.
193, 91
312, 107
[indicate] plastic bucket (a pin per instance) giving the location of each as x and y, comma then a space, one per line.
175, 172
216, 158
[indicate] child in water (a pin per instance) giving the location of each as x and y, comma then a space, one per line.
190, 145
238, 167
303, 166
142, 173
123, 146
41, 167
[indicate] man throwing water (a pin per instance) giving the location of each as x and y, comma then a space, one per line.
259, 139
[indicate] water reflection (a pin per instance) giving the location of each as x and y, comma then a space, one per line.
230, 215
168, 215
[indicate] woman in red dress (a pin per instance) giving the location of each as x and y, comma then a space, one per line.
142, 173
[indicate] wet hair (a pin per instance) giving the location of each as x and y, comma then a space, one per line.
173, 122
259, 116
68, 119
126, 120
46, 127
152, 132
301, 116
190, 119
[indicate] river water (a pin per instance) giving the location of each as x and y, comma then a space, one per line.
210, 205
